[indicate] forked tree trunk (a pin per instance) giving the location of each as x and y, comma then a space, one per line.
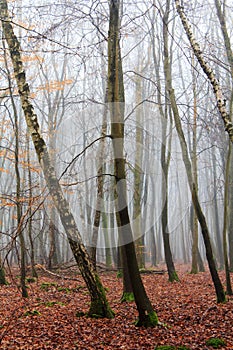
99, 305
147, 316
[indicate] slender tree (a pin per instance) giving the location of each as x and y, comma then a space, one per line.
189, 171
194, 223
20, 232
165, 159
220, 9
224, 234
147, 316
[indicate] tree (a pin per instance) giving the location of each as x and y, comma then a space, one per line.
147, 316
19, 231
99, 305
165, 160
221, 103
189, 171
228, 190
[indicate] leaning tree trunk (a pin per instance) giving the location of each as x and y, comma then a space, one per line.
99, 305
189, 171
221, 102
147, 316
200, 215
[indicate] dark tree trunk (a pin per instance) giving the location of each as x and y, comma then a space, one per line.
165, 160
2, 274
147, 316
230, 228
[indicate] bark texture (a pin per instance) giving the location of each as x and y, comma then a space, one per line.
147, 316
221, 102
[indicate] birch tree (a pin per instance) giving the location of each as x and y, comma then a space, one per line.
221, 102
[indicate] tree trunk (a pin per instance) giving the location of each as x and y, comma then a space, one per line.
137, 224
221, 103
194, 223
219, 244
165, 160
147, 316
30, 201
224, 233
194, 231
229, 53
230, 228
20, 233
153, 248
100, 184
99, 305
201, 218
2, 274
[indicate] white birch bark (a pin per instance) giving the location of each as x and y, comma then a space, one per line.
221, 102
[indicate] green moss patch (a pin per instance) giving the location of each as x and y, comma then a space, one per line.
46, 286
127, 297
171, 347
216, 343
150, 320
30, 280
32, 313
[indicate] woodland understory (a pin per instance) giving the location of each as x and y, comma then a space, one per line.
116, 132
52, 317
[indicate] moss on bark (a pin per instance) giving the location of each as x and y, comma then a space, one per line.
127, 297
149, 320
2, 277
99, 305
99, 310
173, 277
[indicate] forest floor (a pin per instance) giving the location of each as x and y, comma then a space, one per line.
48, 320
